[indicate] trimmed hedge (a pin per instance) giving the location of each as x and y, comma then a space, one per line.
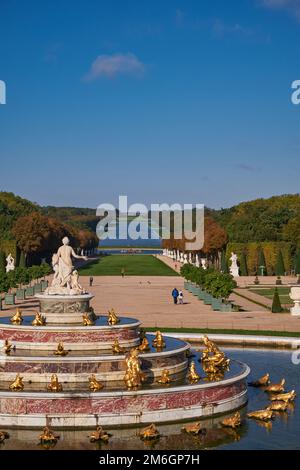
214, 282
23, 276
9, 246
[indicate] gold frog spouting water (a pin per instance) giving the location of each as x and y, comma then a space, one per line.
54, 385
99, 435
213, 356
60, 350
39, 320
192, 375
278, 406
17, 385
276, 388
116, 348
94, 384
233, 421
165, 377
264, 415
86, 320
113, 319
7, 347
134, 377
17, 318
48, 438
263, 381
3, 436
193, 429
158, 341
150, 432
287, 397
144, 346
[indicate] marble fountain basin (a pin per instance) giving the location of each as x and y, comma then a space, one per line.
90, 352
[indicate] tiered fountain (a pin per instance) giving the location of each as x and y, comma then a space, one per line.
67, 367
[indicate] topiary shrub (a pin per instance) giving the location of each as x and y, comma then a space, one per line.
2, 263
297, 263
224, 264
243, 265
262, 265
22, 260
279, 268
276, 305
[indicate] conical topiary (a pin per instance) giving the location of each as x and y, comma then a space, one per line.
2, 263
276, 305
22, 261
297, 263
243, 265
262, 265
279, 268
224, 265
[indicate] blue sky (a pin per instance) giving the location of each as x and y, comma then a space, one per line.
164, 101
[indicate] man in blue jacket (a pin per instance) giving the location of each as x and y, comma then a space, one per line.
175, 295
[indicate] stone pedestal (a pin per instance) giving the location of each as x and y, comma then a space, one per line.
64, 309
295, 296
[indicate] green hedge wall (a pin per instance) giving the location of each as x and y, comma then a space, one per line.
271, 250
9, 246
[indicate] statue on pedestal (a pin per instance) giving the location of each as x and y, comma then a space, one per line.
234, 269
65, 280
203, 263
10, 266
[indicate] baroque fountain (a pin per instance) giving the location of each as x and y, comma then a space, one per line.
67, 367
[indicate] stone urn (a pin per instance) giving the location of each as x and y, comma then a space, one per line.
295, 296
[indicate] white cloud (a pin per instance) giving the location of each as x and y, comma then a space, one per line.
220, 29
292, 6
110, 66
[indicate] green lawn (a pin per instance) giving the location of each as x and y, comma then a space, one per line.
269, 292
134, 265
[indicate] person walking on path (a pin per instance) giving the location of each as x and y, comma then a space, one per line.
175, 295
180, 297
91, 281
122, 272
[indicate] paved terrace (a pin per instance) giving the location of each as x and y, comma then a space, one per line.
149, 300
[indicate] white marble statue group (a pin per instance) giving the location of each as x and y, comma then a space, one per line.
10, 263
65, 279
234, 269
